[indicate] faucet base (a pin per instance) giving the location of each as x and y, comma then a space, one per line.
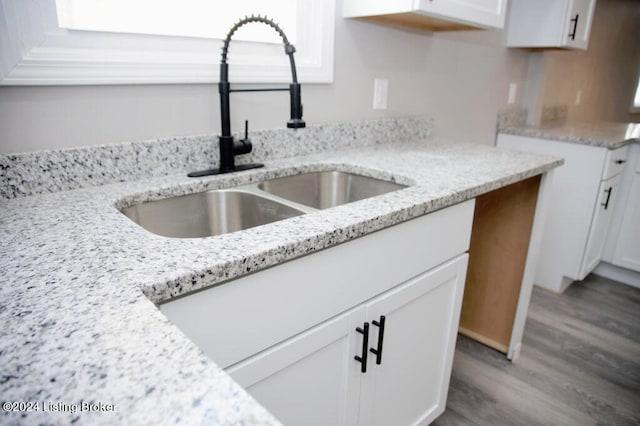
237, 168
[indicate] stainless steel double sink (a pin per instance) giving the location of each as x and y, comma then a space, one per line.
221, 211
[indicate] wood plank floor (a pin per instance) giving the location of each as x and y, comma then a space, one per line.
579, 365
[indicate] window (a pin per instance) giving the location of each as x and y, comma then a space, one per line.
181, 18
635, 107
37, 49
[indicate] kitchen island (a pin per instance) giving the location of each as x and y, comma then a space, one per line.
83, 336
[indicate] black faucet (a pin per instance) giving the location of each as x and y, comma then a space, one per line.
229, 147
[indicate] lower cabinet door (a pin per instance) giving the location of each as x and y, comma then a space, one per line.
421, 317
627, 248
312, 378
599, 225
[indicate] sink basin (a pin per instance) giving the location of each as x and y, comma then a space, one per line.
322, 190
222, 211
208, 213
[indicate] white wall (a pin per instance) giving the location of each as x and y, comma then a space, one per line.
468, 79
459, 78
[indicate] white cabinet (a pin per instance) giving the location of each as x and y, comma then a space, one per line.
577, 221
550, 23
627, 252
289, 333
432, 15
404, 341
623, 244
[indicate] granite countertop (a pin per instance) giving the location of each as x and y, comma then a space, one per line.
81, 281
601, 134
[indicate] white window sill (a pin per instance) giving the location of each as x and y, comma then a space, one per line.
35, 51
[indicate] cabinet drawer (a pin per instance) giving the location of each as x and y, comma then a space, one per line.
237, 319
614, 162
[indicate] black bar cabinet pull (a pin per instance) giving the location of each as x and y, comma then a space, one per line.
365, 345
378, 351
606, 203
575, 27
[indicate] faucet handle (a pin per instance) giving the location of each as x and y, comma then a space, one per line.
246, 130
243, 146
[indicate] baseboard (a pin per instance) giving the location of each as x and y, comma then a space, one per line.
623, 275
565, 282
499, 346
515, 353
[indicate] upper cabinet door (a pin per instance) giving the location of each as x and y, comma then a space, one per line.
579, 19
482, 13
430, 15
550, 23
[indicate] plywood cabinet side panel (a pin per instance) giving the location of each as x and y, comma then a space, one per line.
500, 238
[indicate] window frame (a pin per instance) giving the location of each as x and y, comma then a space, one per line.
635, 109
34, 50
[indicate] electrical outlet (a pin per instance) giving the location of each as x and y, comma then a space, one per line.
380, 92
513, 90
578, 97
